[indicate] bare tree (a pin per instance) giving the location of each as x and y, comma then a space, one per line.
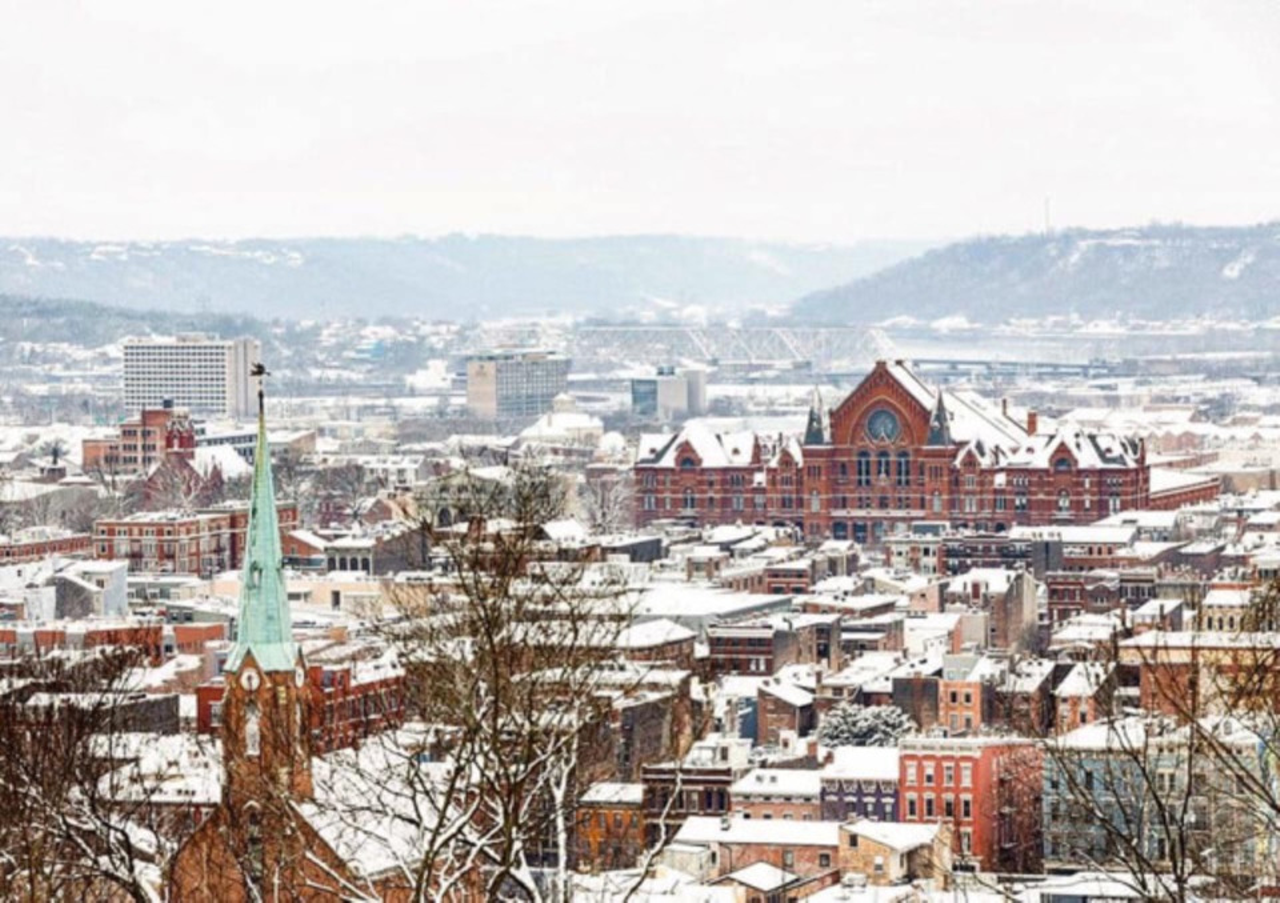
512, 667
333, 494
1177, 796
606, 502
62, 835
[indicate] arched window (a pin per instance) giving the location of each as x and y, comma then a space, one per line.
1064, 500
844, 468
937, 502
689, 502
815, 501
687, 463
904, 468
882, 465
1062, 465
864, 468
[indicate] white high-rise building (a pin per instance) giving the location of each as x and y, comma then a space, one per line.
515, 383
202, 374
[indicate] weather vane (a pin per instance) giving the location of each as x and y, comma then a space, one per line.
260, 370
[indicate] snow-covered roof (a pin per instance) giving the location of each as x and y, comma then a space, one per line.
1083, 680
995, 580
862, 763
1161, 520
706, 829
565, 531
896, 835
373, 805
761, 876
1087, 450
1224, 597
614, 793
790, 782
788, 693
172, 769
1077, 534
223, 457
1164, 479
658, 632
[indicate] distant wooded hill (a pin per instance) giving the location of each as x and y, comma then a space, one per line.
455, 277
1157, 273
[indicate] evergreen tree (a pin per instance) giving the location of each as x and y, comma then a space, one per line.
860, 725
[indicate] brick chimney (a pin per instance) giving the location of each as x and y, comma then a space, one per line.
1033, 422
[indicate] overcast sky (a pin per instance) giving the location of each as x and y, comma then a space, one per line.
813, 121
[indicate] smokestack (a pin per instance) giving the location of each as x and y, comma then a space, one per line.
1033, 422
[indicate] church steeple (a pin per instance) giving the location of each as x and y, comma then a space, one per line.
816, 431
939, 424
266, 709
263, 627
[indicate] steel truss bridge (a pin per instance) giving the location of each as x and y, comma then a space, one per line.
825, 347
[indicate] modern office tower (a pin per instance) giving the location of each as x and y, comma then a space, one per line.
515, 383
671, 394
202, 374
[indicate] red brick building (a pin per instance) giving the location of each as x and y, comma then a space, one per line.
141, 442
987, 789
895, 450
610, 827
41, 638
201, 542
763, 645
39, 543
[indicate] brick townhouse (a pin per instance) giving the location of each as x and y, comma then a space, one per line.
203, 542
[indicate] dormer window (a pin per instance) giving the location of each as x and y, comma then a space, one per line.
687, 463
1062, 465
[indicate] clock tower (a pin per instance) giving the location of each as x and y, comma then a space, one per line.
266, 737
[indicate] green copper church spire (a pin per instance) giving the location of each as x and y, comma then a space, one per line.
264, 628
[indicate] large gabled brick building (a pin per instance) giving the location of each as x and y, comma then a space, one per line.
895, 450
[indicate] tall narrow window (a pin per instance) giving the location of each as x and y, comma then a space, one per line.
253, 834
252, 732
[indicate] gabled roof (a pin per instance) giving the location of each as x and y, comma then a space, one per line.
958, 416
734, 449
761, 876
1089, 451
1083, 681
